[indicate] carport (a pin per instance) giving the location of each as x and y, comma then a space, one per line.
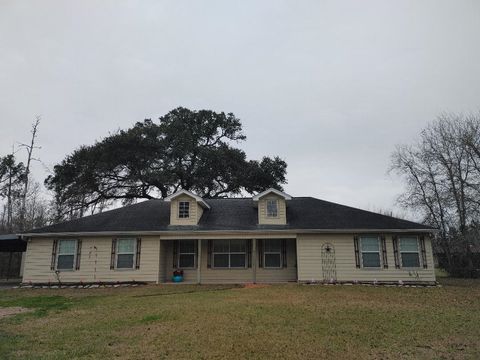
12, 250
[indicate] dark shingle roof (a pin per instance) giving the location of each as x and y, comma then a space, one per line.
233, 214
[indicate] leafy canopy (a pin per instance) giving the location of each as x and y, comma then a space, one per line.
186, 149
12, 176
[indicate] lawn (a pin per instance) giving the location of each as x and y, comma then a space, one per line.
216, 322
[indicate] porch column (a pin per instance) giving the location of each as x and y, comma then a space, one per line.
199, 261
254, 260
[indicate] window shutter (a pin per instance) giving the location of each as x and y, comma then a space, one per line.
209, 253
112, 256
424, 252
137, 255
357, 252
260, 253
54, 254
79, 254
384, 252
249, 253
195, 257
176, 245
395, 251
284, 253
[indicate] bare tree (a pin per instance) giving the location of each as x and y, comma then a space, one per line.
30, 148
442, 176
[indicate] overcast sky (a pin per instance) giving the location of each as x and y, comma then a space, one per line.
329, 86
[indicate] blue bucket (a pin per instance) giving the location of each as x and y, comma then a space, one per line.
177, 278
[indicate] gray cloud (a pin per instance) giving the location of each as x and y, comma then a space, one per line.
329, 86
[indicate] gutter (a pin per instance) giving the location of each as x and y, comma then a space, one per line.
292, 232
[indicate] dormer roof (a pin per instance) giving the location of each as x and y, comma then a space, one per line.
199, 200
272, 190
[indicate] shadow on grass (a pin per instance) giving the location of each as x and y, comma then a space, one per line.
40, 305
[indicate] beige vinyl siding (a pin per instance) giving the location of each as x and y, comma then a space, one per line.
310, 261
94, 262
212, 275
195, 211
281, 219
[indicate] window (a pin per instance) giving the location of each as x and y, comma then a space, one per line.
229, 253
186, 254
125, 253
272, 253
272, 208
370, 249
183, 209
409, 252
67, 250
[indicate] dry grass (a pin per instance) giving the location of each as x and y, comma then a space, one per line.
219, 322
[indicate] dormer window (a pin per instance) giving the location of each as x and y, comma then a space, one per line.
184, 209
272, 208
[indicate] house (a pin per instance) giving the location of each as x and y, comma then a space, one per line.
271, 237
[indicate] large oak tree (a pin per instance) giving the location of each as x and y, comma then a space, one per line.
192, 150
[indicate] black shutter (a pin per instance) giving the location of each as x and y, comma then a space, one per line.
357, 252
284, 253
260, 253
176, 245
113, 253
384, 252
79, 254
249, 253
54, 254
209, 253
195, 260
395, 251
137, 256
424, 252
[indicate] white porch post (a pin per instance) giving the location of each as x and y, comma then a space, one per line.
254, 260
199, 262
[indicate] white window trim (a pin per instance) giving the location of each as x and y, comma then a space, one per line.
179, 207
126, 253
183, 253
266, 208
274, 253
380, 266
229, 257
418, 252
74, 255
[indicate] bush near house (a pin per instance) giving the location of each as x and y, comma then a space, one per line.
287, 321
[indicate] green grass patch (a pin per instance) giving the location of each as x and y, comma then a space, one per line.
281, 321
41, 305
148, 319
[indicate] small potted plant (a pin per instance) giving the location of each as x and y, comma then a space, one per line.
177, 275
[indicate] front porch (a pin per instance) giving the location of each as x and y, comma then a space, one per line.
211, 261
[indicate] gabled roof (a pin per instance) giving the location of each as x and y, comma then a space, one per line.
305, 214
272, 190
188, 193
